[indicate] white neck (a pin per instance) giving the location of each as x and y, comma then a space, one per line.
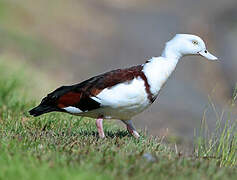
171, 51
160, 68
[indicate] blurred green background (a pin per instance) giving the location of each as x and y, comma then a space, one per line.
70, 41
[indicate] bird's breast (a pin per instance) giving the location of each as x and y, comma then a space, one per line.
157, 72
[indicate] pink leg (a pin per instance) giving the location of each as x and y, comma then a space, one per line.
134, 133
99, 125
131, 129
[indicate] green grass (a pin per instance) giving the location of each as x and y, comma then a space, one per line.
222, 143
61, 146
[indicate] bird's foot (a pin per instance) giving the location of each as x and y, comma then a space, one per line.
133, 132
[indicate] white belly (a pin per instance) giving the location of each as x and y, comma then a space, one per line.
111, 113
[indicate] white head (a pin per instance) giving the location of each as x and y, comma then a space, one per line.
186, 44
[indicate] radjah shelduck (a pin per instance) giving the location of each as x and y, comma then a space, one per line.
122, 93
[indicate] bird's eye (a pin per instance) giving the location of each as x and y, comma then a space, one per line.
195, 42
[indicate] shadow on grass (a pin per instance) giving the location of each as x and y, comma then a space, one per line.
108, 134
75, 133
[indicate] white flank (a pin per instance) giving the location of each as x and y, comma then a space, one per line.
128, 94
124, 100
72, 110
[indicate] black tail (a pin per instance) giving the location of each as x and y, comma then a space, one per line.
41, 109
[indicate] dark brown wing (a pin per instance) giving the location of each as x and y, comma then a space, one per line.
79, 95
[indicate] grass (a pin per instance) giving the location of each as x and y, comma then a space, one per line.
222, 143
61, 146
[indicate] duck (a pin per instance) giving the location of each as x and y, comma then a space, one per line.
122, 93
